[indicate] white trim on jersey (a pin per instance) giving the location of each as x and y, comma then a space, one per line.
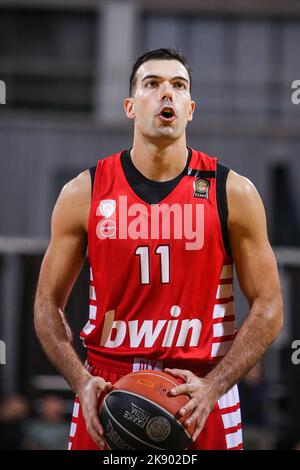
234, 439
230, 398
73, 429
224, 291
230, 420
92, 293
227, 271
76, 410
92, 312
223, 329
223, 310
220, 349
74, 422
88, 328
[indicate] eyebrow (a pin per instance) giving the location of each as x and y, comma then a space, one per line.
178, 77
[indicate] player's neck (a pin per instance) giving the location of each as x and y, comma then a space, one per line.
159, 163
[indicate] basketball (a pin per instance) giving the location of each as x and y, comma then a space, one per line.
139, 414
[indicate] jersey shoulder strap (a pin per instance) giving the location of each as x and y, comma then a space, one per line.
222, 174
92, 171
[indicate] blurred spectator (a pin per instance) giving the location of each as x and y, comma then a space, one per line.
253, 393
49, 431
13, 416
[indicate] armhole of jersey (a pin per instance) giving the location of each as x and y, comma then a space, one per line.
222, 174
92, 171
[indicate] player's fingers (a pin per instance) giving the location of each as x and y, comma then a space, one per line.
184, 389
196, 434
92, 422
198, 429
106, 446
188, 407
91, 401
182, 373
199, 417
107, 387
94, 433
102, 384
91, 412
193, 418
95, 423
103, 388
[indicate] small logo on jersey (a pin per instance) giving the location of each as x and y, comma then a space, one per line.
107, 228
201, 188
107, 207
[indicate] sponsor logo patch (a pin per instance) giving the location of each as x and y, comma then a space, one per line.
201, 188
107, 207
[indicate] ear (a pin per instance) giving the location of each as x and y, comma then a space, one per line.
192, 109
129, 108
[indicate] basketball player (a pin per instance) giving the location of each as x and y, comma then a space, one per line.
163, 224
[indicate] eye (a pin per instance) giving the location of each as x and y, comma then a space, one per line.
151, 84
180, 85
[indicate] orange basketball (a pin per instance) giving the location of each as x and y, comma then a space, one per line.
138, 413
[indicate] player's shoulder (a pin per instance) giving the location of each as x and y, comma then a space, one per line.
78, 188
240, 187
244, 201
73, 204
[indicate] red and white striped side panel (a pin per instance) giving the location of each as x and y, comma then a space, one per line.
229, 405
91, 324
223, 314
74, 422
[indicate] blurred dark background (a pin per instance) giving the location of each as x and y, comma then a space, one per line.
66, 66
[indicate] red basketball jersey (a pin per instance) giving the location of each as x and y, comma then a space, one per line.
161, 281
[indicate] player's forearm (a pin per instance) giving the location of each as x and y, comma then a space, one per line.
55, 336
258, 331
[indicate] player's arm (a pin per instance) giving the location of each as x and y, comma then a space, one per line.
258, 277
60, 268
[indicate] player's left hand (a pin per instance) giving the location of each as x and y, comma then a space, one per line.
203, 398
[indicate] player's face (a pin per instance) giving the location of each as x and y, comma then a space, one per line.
161, 105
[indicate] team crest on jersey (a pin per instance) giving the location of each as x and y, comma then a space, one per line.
107, 207
201, 188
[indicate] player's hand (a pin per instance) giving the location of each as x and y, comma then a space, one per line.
88, 394
203, 398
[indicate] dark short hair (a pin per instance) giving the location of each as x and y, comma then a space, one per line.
157, 54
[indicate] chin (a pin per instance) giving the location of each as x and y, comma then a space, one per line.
164, 136
167, 131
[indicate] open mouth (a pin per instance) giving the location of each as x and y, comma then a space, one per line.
167, 114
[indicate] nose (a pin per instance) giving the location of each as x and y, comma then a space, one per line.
166, 91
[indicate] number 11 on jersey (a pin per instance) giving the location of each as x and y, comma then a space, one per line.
163, 251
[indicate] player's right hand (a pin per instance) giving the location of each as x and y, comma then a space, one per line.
88, 394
